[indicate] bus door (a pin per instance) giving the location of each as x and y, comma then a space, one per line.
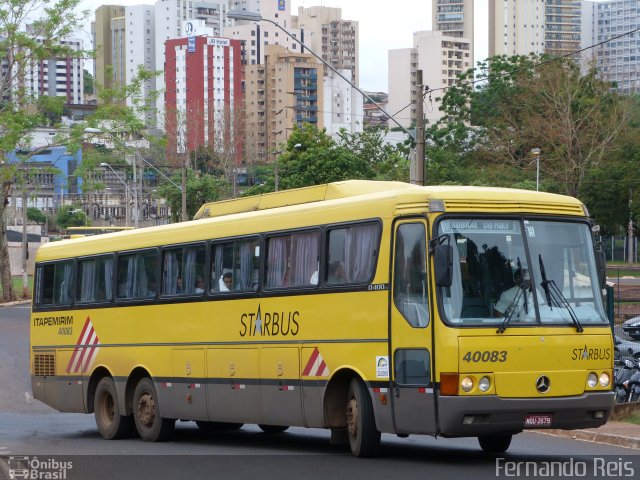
411, 357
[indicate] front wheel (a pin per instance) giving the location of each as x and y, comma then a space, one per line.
494, 443
150, 425
364, 438
273, 428
111, 424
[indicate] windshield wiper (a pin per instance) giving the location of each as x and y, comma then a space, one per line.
554, 296
511, 309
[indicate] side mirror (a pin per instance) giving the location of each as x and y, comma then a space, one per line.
443, 265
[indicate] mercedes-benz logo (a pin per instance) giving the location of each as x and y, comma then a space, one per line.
543, 384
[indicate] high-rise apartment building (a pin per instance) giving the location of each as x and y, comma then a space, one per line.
124, 39
562, 27
618, 60
55, 77
454, 18
203, 98
285, 90
516, 28
334, 39
440, 57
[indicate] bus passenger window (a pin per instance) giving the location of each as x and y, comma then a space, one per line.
351, 254
95, 280
292, 260
137, 275
234, 265
409, 277
56, 283
182, 267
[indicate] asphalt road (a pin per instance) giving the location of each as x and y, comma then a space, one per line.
68, 445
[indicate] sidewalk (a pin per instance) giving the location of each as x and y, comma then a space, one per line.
620, 434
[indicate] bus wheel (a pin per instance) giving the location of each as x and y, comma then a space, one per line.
273, 428
150, 425
494, 443
111, 424
217, 426
364, 438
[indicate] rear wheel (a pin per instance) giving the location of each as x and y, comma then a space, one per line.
494, 443
273, 428
212, 427
150, 425
111, 424
364, 438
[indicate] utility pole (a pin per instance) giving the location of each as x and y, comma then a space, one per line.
184, 187
417, 167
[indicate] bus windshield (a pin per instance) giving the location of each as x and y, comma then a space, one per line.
521, 272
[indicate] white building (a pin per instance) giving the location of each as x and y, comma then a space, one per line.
440, 57
342, 104
516, 28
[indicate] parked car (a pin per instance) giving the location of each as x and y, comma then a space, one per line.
626, 348
632, 327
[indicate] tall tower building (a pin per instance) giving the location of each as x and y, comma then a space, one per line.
203, 99
454, 18
562, 27
56, 77
124, 38
516, 28
285, 90
334, 39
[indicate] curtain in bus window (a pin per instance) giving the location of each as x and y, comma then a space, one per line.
359, 245
216, 275
304, 258
108, 278
170, 273
189, 270
88, 280
277, 262
246, 266
65, 287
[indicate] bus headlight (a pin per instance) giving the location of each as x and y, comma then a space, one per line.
604, 379
467, 384
592, 380
484, 384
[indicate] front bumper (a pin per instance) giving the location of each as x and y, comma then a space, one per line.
493, 415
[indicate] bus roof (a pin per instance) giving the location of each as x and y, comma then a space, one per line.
295, 208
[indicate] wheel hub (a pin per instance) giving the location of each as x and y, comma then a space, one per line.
146, 409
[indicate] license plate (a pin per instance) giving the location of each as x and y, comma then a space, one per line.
537, 421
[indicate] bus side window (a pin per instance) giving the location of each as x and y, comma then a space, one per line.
351, 254
137, 275
409, 278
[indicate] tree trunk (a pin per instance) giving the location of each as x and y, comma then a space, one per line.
8, 294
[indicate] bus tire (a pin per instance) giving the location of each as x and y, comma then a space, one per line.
150, 425
212, 427
111, 424
273, 428
494, 443
364, 438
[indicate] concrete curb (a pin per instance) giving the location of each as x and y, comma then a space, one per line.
17, 302
595, 437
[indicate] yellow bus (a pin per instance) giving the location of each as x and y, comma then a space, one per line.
361, 307
77, 232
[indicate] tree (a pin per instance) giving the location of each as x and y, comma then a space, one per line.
36, 215
87, 80
53, 22
201, 188
71, 216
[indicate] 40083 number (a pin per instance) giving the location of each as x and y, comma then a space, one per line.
488, 356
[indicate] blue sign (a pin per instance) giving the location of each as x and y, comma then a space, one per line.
191, 44
281, 5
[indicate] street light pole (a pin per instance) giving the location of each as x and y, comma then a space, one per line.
536, 153
247, 15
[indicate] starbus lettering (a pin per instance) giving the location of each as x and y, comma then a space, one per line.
269, 324
587, 353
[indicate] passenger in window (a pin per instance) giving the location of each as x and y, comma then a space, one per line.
226, 282
151, 288
336, 274
199, 285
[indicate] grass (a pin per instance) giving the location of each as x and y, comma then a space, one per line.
17, 285
633, 418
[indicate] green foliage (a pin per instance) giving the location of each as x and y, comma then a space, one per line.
36, 215
87, 80
71, 216
51, 109
201, 188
